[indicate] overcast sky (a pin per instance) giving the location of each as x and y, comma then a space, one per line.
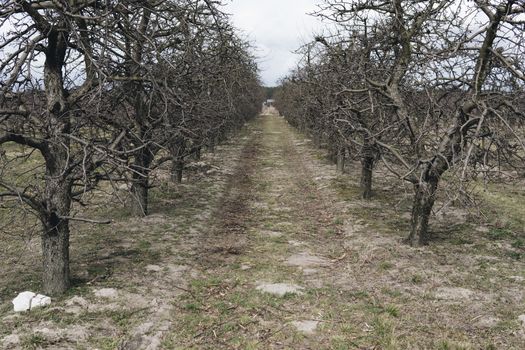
276, 28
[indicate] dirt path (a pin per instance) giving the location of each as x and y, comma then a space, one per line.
272, 249
292, 264
274, 240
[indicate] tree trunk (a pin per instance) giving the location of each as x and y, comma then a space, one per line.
341, 160
140, 185
54, 218
367, 166
177, 160
197, 153
332, 155
213, 142
317, 140
177, 169
56, 198
368, 157
55, 254
140, 192
424, 198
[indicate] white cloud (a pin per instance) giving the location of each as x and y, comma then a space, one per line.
276, 28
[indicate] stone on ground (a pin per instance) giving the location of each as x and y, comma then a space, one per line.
280, 289
295, 243
521, 318
306, 260
245, 267
28, 300
273, 234
307, 326
109, 293
450, 293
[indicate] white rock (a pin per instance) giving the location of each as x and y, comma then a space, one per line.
109, 293
295, 243
304, 259
521, 318
22, 302
307, 327
448, 293
40, 300
482, 229
280, 289
29, 300
273, 234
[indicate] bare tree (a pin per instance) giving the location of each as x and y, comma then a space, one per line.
45, 109
439, 88
84, 99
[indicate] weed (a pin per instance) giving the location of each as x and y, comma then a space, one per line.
392, 310
515, 255
416, 279
33, 341
192, 307
339, 221
447, 345
518, 243
107, 343
386, 265
383, 332
499, 233
391, 292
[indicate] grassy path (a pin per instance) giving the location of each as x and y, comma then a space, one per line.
272, 249
275, 226
290, 223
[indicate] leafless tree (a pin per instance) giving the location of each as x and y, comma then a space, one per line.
445, 76
45, 109
84, 100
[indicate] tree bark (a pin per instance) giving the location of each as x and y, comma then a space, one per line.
140, 191
177, 162
177, 169
56, 210
332, 155
317, 140
341, 160
55, 254
140, 185
55, 235
367, 168
213, 142
197, 153
424, 198
56, 199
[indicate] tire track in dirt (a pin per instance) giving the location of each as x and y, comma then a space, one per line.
287, 263
272, 227
231, 220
